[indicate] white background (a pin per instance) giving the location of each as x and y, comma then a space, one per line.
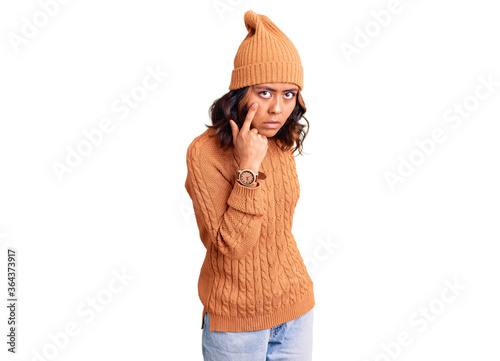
124, 206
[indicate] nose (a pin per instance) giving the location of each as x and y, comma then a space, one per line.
276, 105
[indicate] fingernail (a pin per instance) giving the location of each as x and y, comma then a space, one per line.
254, 105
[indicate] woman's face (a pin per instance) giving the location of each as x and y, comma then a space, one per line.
276, 103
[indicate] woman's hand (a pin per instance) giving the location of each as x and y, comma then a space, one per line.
250, 145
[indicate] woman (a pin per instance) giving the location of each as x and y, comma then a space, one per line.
257, 294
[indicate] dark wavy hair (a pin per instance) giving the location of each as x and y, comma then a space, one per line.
232, 105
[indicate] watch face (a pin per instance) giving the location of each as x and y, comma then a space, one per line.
246, 177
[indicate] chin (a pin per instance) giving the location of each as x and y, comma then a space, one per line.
269, 132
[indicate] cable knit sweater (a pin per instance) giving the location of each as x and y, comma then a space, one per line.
253, 276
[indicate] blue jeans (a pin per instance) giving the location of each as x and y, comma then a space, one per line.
290, 341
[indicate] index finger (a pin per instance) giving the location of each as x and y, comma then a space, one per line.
249, 118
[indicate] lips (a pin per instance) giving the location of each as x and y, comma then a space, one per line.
271, 124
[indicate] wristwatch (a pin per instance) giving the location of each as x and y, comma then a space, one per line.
247, 177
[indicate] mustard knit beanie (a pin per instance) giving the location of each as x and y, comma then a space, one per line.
266, 55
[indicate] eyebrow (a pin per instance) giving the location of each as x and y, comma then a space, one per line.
271, 89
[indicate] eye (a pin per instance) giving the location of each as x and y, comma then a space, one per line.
291, 95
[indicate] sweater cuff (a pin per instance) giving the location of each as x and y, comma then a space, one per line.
247, 199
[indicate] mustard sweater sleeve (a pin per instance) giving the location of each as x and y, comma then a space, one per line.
228, 216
